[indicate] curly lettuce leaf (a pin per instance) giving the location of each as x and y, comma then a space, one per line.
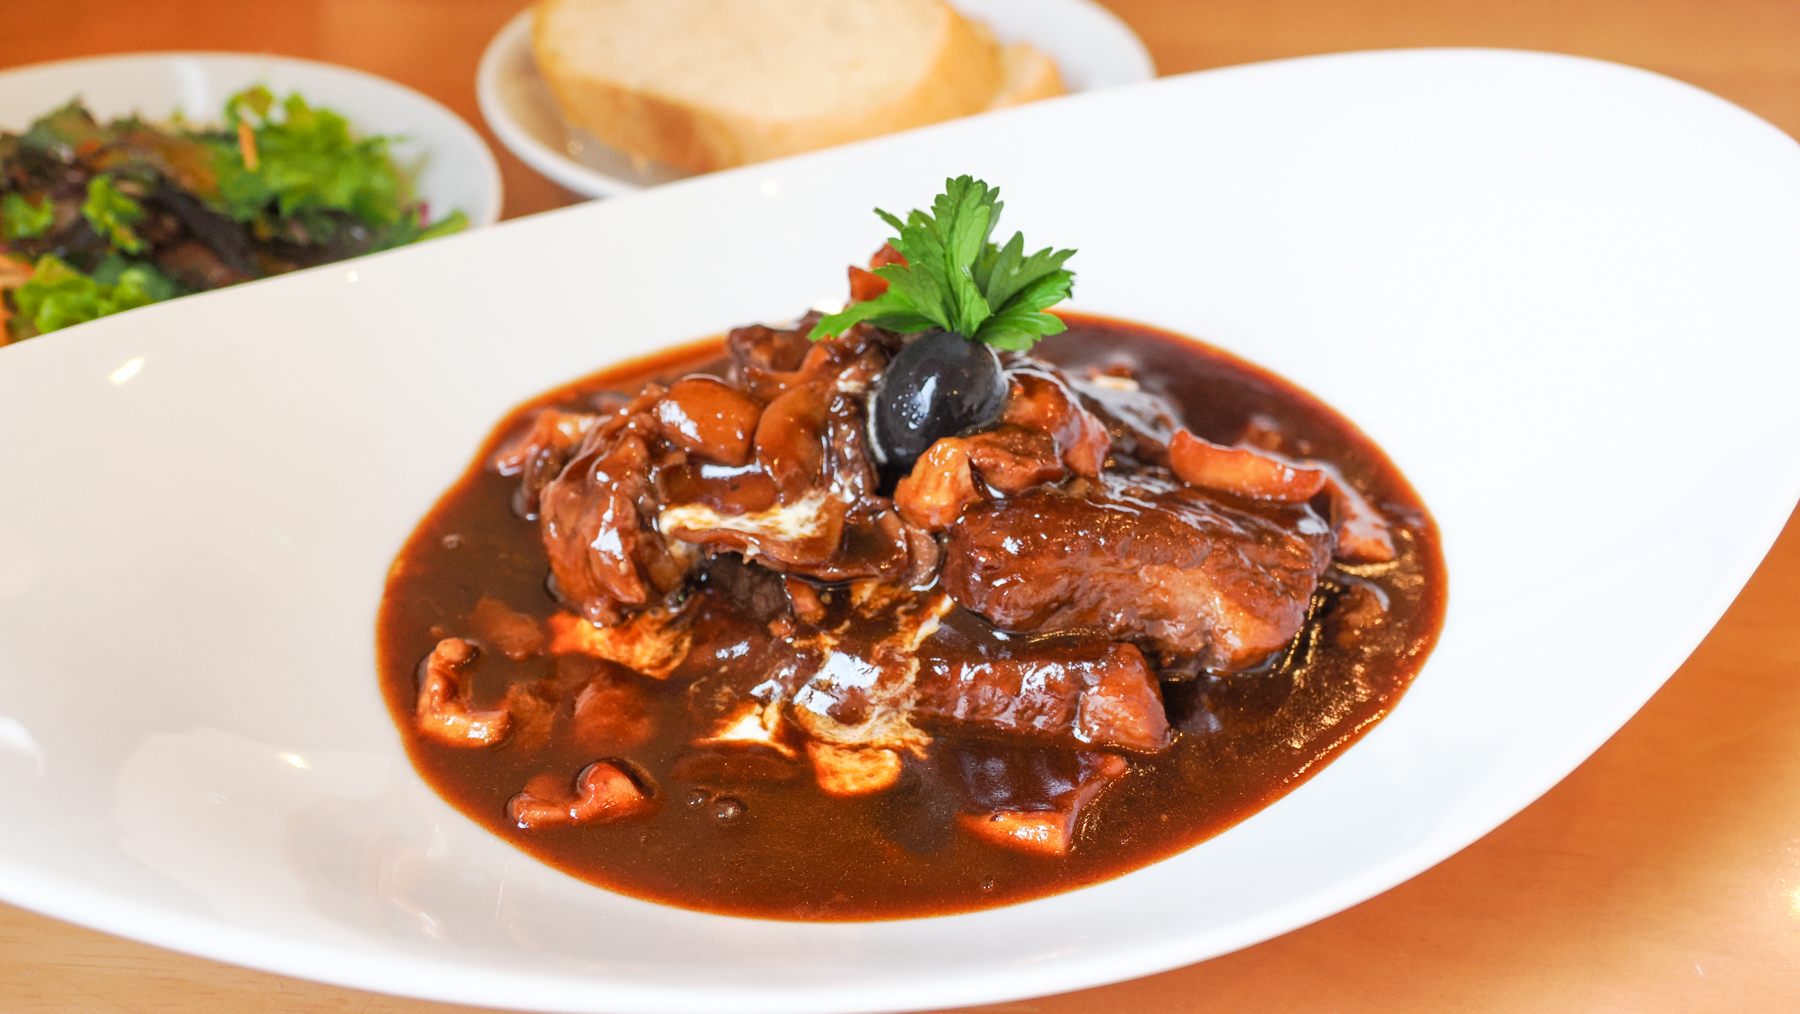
112, 213
292, 160
20, 218
58, 295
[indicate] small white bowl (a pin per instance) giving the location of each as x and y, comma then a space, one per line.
1092, 48
456, 170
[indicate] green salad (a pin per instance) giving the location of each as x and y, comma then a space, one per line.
101, 217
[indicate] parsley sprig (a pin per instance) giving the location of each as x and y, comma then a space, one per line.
957, 279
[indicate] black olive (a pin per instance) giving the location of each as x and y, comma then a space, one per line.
940, 385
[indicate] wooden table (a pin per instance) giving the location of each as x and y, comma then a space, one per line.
1663, 875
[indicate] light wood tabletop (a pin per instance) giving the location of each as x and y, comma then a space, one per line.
1663, 875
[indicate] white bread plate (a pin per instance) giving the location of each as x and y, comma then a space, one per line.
1558, 292
455, 170
1092, 48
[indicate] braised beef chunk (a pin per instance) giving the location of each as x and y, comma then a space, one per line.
1084, 693
1142, 559
756, 592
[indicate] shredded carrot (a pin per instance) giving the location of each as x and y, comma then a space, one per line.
13, 273
247, 144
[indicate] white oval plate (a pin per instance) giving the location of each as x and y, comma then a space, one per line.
1559, 292
1092, 47
455, 169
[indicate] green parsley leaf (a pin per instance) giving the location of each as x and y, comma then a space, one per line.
306, 165
21, 219
957, 279
112, 213
58, 295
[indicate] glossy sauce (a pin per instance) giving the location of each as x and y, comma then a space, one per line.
754, 836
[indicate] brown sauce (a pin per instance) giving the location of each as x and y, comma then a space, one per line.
750, 836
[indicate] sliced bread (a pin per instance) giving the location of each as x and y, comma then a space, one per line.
707, 84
